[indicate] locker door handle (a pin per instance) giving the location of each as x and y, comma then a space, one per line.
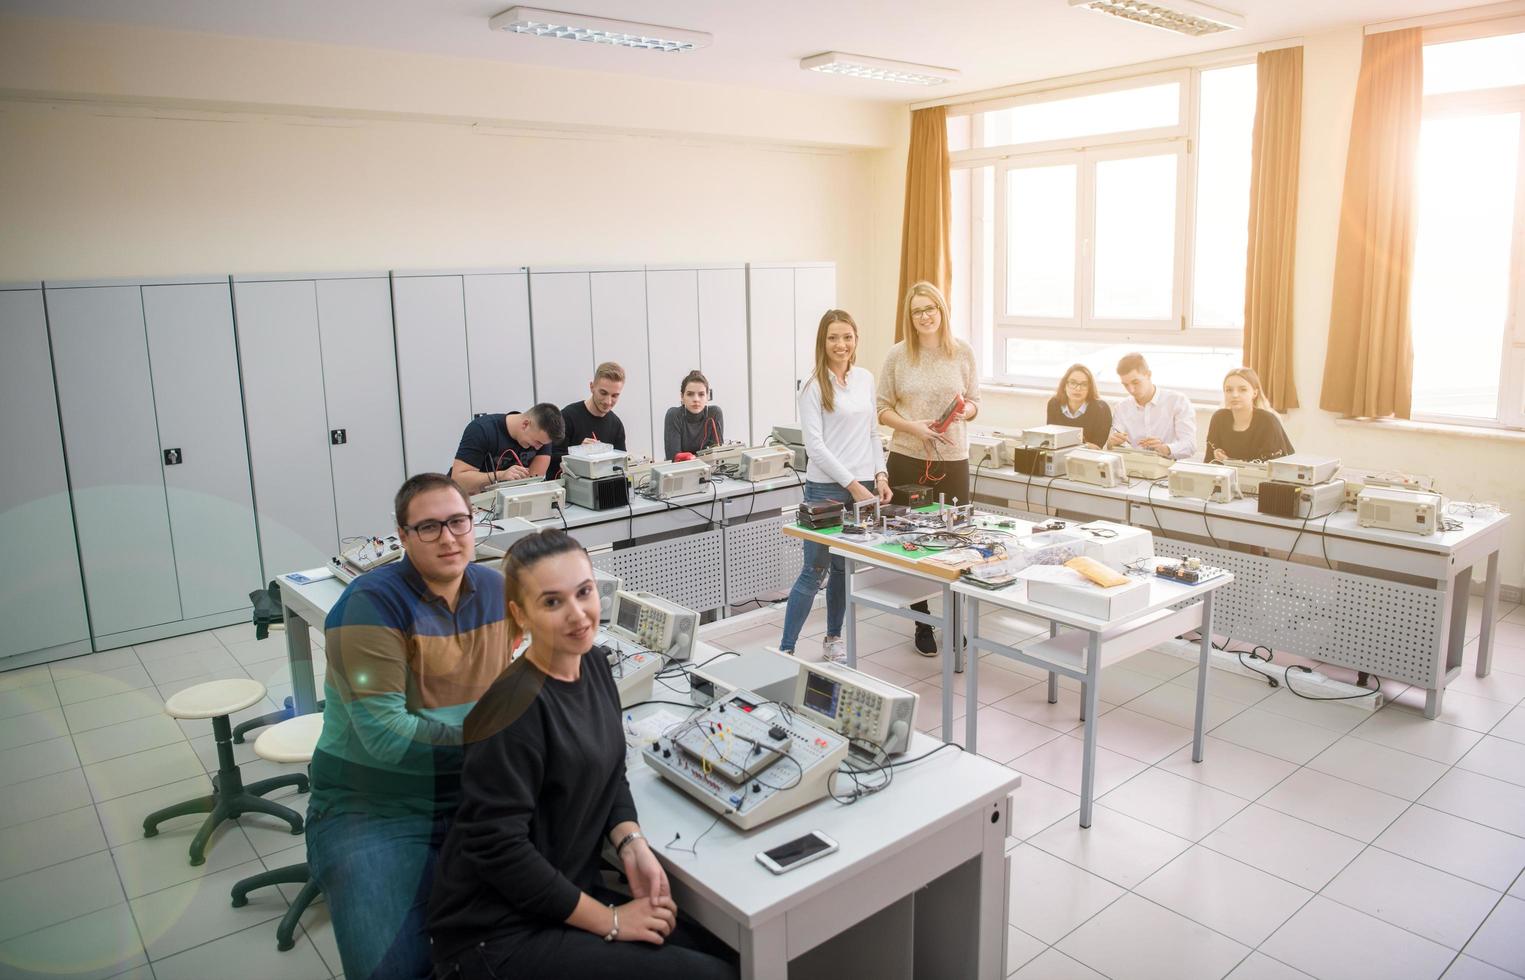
173, 457
337, 437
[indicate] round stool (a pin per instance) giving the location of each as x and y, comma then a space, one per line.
230, 797
292, 740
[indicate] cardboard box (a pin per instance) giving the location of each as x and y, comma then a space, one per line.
1064, 588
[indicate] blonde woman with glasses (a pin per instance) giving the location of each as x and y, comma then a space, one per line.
923, 375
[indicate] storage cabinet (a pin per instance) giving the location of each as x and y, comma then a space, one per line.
158, 463
785, 304
320, 390
42, 598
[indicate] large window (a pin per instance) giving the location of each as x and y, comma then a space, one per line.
1106, 218
1469, 348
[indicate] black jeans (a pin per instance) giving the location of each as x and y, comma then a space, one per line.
561, 952
953, 483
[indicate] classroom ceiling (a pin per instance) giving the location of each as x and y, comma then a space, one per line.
992, 42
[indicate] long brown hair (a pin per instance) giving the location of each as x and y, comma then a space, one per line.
1064, 379
1249, 375
822, 369
944, 328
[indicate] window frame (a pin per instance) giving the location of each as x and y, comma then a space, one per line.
1510, 409
990, 329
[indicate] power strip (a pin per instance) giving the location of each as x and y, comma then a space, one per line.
1313, 683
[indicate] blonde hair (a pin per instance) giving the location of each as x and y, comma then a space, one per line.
610, 371
822, 368
1253, 380
944, 329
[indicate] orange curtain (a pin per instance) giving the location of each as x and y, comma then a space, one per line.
1273, 223
924, 252
1369, 366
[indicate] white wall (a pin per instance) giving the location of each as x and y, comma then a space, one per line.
131, 151
1481, 467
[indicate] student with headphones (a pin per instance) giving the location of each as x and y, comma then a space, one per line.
695, 423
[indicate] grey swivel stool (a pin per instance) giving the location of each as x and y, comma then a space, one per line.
292, 740
230, 797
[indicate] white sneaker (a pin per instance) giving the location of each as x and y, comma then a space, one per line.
780, 652
834, 650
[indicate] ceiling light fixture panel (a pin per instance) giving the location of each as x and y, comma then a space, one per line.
1180, 16
878, 69
597, 30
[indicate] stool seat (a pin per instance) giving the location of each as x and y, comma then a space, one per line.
293, 740
215, 698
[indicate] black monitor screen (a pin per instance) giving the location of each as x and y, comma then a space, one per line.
821, 694
629, 616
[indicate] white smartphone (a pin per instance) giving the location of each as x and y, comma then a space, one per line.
801, 850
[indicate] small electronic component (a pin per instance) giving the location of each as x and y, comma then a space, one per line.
818, 514
912, 495
1187, 570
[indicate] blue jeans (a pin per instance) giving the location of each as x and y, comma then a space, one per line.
817, 556
376, 873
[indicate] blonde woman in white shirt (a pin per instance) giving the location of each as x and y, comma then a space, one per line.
837, 413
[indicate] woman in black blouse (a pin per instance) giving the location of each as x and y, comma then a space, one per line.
1246, 429
517, 891
1077, 403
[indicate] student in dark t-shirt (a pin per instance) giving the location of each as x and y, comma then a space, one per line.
593, 418
1246, 429
517, 891
1077, 402
507, 447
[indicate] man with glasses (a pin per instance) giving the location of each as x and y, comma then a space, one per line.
410, 648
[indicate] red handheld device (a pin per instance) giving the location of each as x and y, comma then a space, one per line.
954, 410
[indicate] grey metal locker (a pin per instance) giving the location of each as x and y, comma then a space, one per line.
815, 292
116, 470
201, 426
282, 363
562, 321
723, 354
42, 597
672, 329
498, 342
771, 329
433, 377
360, 395
619, 334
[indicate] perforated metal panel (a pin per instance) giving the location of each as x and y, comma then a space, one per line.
760, 559
689, 570
1387, 628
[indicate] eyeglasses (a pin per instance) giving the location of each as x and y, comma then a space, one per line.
428, 531
923, 312
1081, 384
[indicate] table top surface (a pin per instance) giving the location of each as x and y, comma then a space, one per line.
1162, 594
923, 797
1342, 523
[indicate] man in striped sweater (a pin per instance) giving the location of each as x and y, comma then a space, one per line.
411, 646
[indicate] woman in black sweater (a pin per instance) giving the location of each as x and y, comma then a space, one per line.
1078, 403
517, 891
695, 424
1246, 429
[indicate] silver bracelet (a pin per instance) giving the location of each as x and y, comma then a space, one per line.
633, 835
614, 930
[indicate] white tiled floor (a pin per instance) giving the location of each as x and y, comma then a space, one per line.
1314, 840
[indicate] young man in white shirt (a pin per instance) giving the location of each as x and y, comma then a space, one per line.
1151, 418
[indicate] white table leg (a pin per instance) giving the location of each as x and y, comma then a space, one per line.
764, 951
950, 651
304, 684
1202, 667
972, 672
1053, 678
1490, 601
1088, 705
993, 897
850, 628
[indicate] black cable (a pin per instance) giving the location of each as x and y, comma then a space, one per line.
693, 848
1286, 677
1208, 527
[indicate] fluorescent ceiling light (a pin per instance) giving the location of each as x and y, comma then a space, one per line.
1180, 16
598, 30
879, 69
